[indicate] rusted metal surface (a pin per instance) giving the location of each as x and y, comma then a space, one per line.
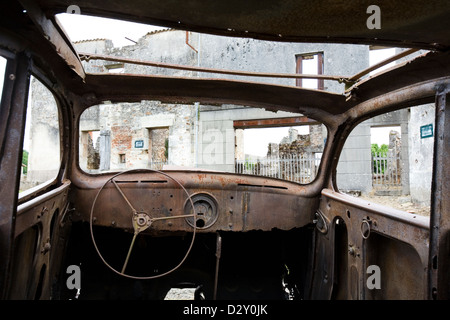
90, 56
415, 94
424, 24
439, 261
208, 91
377, 235
380, 64
188, 43
350, 234
243, 203
40, 225
49, 31
12, 119
30, 212
428, 67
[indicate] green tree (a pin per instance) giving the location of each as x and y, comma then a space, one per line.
25, 161
166, 150
377, 150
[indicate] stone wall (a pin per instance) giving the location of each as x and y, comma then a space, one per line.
299, 144
421, 153
42, 136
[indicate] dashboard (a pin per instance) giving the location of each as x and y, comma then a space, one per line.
155, 201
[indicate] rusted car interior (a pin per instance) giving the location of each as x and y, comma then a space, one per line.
138, 233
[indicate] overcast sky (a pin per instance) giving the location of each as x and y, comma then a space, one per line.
81, 27
2, 72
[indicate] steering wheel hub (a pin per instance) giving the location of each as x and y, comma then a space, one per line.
141, 221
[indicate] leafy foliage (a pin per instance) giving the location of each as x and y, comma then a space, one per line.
166, 150
379, 151
25, 161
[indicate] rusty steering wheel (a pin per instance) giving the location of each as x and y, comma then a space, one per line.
141, 221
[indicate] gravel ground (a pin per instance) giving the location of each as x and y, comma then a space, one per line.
403, 203
180, 294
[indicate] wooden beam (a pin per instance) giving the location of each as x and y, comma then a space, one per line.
277, 122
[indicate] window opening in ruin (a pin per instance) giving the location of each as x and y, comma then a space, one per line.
388, 159
290, 153
158, 147
122, 158
311, 63
90, 151
41, 150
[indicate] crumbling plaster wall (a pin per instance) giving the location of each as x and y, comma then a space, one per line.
43, 136
278, 57
421, 153
130, 122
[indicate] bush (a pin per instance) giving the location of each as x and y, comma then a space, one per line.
25, 161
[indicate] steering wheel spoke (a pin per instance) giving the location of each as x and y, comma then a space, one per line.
129, 252
173, 217
123, 195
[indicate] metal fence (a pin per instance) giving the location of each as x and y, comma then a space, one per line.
297, 168
157, 165
386, 169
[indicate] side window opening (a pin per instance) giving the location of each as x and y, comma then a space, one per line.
290, 153
3, 62
89, 151
388, 160
41, 149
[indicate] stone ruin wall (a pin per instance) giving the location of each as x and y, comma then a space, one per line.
298, 144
